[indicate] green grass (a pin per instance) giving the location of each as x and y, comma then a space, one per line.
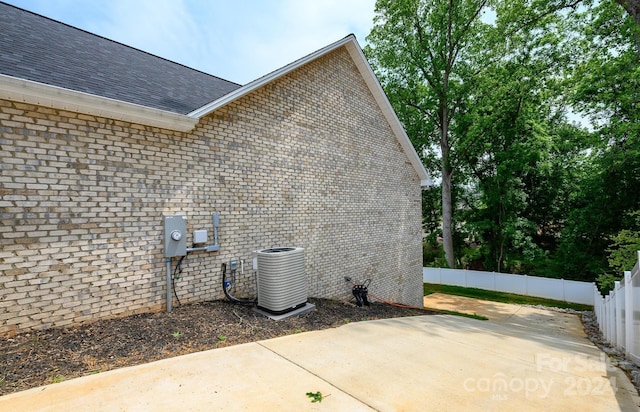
58, 378
430, 288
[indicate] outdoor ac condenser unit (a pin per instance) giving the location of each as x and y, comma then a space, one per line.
282, 281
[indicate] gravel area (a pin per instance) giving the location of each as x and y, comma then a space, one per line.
616, 357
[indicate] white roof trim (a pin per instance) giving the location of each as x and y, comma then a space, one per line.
26, 91
370, 78
256, 84
381, 98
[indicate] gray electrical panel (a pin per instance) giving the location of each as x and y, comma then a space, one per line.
175, 236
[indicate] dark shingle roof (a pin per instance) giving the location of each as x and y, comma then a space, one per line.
37, 48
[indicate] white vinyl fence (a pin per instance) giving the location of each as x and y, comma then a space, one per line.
558, 289
618, 314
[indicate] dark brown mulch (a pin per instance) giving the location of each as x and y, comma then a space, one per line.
38, 358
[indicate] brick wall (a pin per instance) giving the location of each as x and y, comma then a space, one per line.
307, 160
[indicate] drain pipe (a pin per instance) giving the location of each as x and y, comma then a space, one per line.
216, 222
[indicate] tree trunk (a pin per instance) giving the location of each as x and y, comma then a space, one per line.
447, 202
447, 218
633, 8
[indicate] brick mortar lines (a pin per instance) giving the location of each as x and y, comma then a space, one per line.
305, 161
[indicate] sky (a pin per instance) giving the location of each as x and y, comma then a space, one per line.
237, 40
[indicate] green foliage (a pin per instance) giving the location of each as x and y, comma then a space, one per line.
606, 87
431, 212
58, 378
509, 134
433, 255
315, 396
606, 282
489, 105
471, 257
623, 254
426, 55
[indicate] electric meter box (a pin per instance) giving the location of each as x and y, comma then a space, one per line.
175, 236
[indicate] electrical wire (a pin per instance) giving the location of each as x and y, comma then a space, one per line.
226, 291
176, 276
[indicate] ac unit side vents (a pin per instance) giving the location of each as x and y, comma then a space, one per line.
282, 281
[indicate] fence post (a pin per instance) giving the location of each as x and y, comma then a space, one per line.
619, 343
628, 314
607, 304
614, 323
610, 317
603, 324
602, 312
596, 308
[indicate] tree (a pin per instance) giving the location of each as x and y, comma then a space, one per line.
425, 54
605, 87
632, 7
484, 103
429, 56
515, 134
623, 252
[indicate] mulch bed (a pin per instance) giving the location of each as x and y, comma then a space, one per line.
32, 359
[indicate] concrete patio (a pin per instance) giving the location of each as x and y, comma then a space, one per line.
521, 359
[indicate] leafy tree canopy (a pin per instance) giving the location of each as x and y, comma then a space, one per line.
488, 92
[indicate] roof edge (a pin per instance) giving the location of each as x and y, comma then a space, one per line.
256, 84
27, 91
352, 46
385, 105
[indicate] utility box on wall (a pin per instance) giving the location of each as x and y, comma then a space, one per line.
175, 236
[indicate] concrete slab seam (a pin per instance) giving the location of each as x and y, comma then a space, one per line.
317, 376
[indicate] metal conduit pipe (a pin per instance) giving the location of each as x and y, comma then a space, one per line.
169, 285
210, 248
